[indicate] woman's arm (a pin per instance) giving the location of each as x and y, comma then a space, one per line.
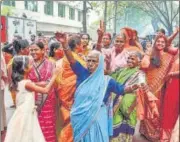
42, 83
67, 51
120, 89
171, 38
44, 90
99, 41
100, 32
146, 61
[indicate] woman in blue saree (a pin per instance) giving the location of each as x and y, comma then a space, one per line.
91, 113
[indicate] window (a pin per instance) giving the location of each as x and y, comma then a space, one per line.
48, 7
72, 13
9, 3
31, 5
79, 16
61, 10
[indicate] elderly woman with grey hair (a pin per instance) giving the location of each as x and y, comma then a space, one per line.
91, 113
126, 108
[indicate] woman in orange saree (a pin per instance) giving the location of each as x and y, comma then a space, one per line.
85, 43
66, 87
158, 65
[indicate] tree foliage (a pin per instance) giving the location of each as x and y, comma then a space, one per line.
164, 12
7, 11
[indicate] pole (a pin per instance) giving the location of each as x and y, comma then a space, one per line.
0, 68
84, 16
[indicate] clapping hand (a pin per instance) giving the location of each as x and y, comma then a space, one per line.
148, 48
132, 88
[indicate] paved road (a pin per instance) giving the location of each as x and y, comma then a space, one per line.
9, 112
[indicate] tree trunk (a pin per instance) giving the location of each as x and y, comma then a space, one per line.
170, 29
105, 16
154, 23
115, 16
84, 17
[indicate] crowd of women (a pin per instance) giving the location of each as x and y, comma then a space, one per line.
65, 90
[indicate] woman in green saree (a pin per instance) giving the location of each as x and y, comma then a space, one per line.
125, 115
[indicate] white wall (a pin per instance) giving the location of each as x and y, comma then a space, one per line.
51, 21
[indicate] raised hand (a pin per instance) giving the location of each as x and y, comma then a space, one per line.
148, 48
177, 29
100, 31
61, 37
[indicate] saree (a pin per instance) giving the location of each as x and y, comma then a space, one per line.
125, 118
149, 127
66, 86
45, 103
3, 85
170, 105
89, 115
175, 132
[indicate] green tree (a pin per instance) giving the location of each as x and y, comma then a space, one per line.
163, 12
7, 11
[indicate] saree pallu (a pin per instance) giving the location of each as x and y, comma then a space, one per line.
66, 82
89, 115
149, 127
170, 105
170, 109
46, 116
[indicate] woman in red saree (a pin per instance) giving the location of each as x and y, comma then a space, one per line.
157, 64
171, 103
41, 74
66, 82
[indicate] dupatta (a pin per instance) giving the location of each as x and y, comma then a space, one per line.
88, 101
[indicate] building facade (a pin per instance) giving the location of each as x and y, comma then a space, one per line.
51, 16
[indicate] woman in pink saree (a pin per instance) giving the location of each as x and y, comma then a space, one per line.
41, 74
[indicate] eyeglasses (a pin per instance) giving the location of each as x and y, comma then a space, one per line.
119, 41
94, 61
